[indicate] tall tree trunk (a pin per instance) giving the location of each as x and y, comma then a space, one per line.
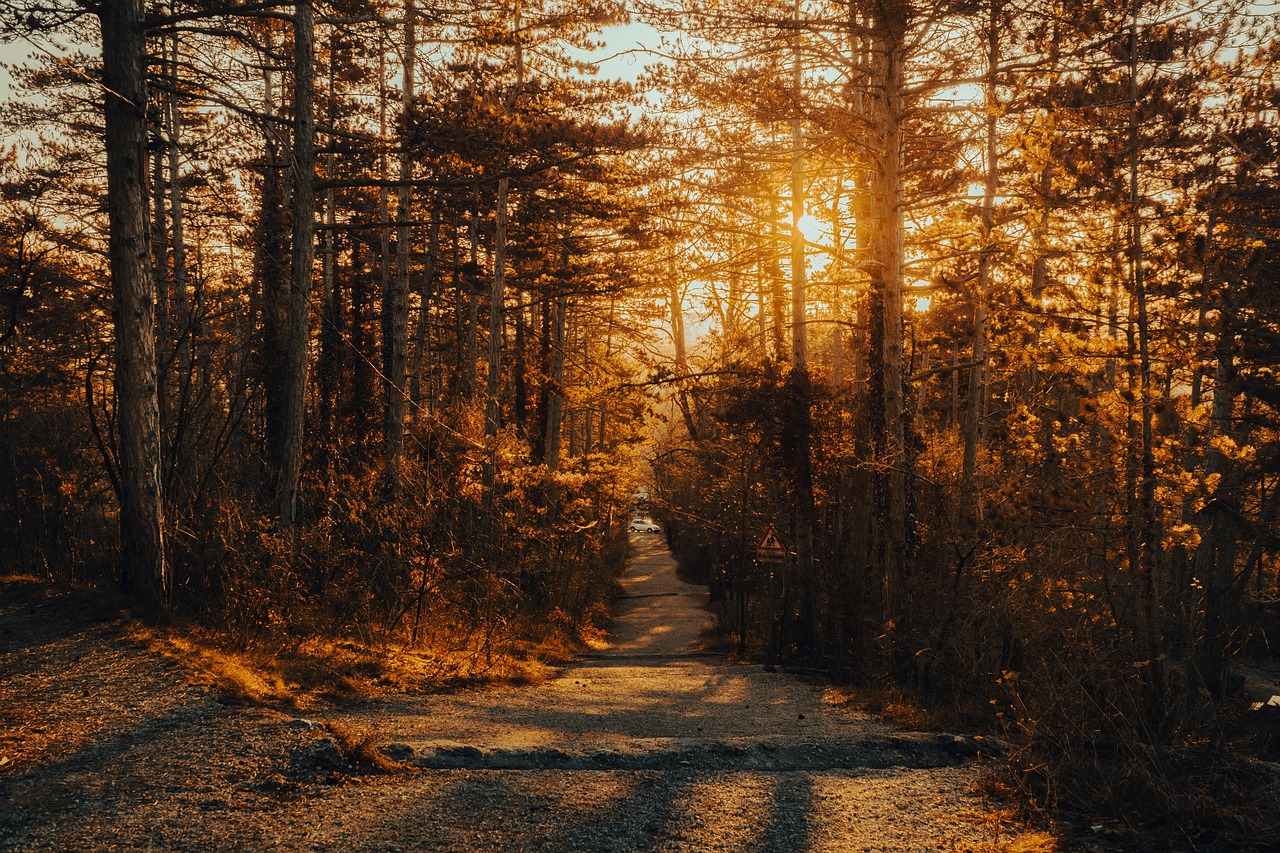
330, 298
426, 291
675, 307
519, 365
799, 294
473, 303
777, 290
181, 315
363, 388
1147, 520
298, 321
555, 390
1215, 557
970, 496
395, 305
169, 443
799, 428
144, 569
884, 264
493, 381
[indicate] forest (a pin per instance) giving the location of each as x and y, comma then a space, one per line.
369, 321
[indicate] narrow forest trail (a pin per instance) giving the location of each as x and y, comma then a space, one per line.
654, 745
648, 745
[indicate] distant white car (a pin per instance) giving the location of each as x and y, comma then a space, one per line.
643, 525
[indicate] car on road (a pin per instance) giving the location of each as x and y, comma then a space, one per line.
643, 525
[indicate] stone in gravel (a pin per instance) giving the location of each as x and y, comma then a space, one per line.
397, 751
324, 754
305, 725
461, 751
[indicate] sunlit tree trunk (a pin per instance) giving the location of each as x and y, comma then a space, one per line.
144, 568
970, 495
799, 429
160, 143
675, 306
777, 288
181, 313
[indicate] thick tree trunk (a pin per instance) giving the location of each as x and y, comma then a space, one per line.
298, 319
269, 266
799, 427
144, 569
799, 290
884, 265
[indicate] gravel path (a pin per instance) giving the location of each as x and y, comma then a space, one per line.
648, 745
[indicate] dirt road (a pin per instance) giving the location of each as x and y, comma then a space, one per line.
648, 745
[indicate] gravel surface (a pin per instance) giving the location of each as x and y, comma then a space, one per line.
647, 745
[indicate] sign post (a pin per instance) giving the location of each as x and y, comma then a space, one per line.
771, 552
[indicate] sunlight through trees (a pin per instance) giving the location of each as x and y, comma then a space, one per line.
367, 319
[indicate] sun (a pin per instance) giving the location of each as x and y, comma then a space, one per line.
812, 229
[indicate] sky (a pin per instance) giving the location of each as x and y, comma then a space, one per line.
623, 57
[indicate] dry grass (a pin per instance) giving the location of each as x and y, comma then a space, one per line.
1008, 829
316, 672
360, 750
911, 712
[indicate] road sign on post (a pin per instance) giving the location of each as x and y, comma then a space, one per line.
770, 550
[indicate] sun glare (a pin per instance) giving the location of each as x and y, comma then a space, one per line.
812, 229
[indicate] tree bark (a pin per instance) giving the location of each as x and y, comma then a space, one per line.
144, 569
298, 318
799, 428
1147, 521
675, 307
555, 389
425, 293
181, 316
970, 496
493, 381
884, 264
395, 308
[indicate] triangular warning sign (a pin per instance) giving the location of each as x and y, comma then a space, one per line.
770, 550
